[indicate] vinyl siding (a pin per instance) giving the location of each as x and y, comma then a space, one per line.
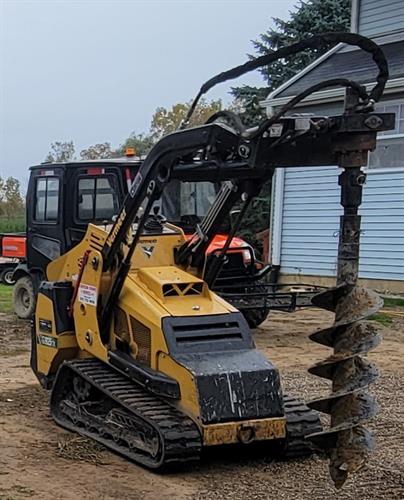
378, 17
310, 223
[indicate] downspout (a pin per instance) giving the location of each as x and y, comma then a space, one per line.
355, 16
277, 223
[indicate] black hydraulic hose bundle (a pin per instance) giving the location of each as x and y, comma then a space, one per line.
230, 116
312, 42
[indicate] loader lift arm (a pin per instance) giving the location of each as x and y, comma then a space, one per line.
214, 152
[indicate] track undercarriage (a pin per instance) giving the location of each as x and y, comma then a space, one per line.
93, 400
96, 401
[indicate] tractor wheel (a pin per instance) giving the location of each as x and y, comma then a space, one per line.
258, 315
24, 298
6, 276
255, 317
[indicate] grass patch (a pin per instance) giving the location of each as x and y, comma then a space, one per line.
383, 319
390, 302
14, 225
6, 299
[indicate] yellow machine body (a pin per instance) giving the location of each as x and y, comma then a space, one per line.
155, 289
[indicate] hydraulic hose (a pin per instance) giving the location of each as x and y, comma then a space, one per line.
313, 42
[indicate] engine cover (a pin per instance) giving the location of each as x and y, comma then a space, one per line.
233, 380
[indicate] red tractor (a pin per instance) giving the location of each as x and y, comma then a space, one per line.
12, 252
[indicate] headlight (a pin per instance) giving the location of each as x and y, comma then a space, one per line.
247, 256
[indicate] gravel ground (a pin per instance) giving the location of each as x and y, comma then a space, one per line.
309, 479
39, 460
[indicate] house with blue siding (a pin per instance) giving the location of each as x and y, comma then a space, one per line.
305, 201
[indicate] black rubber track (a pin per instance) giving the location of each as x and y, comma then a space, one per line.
178, 436
300, 422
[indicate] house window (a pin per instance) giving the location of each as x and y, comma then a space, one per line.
97, 199
389, 152
47, 199
398, 109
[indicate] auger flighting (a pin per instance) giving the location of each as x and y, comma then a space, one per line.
349, 404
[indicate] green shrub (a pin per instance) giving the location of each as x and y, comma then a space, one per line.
15, 225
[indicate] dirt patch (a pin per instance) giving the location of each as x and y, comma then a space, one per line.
13, 335
42, 461
285, 340
23, 400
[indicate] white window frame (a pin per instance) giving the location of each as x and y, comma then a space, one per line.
388, 136
384, 104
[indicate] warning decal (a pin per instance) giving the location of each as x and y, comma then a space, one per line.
88, 294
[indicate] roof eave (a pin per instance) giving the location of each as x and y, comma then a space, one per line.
330, 95
301, 73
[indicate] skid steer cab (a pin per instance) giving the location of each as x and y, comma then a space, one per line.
63, 198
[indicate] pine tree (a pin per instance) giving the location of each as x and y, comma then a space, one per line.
311, 18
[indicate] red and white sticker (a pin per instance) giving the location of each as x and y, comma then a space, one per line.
88, 294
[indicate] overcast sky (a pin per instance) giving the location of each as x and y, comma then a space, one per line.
95, 70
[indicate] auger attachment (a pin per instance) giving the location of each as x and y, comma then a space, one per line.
349, 404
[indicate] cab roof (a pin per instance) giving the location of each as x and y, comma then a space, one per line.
126, 160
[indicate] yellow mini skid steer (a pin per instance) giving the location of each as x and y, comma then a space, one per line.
138, 351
